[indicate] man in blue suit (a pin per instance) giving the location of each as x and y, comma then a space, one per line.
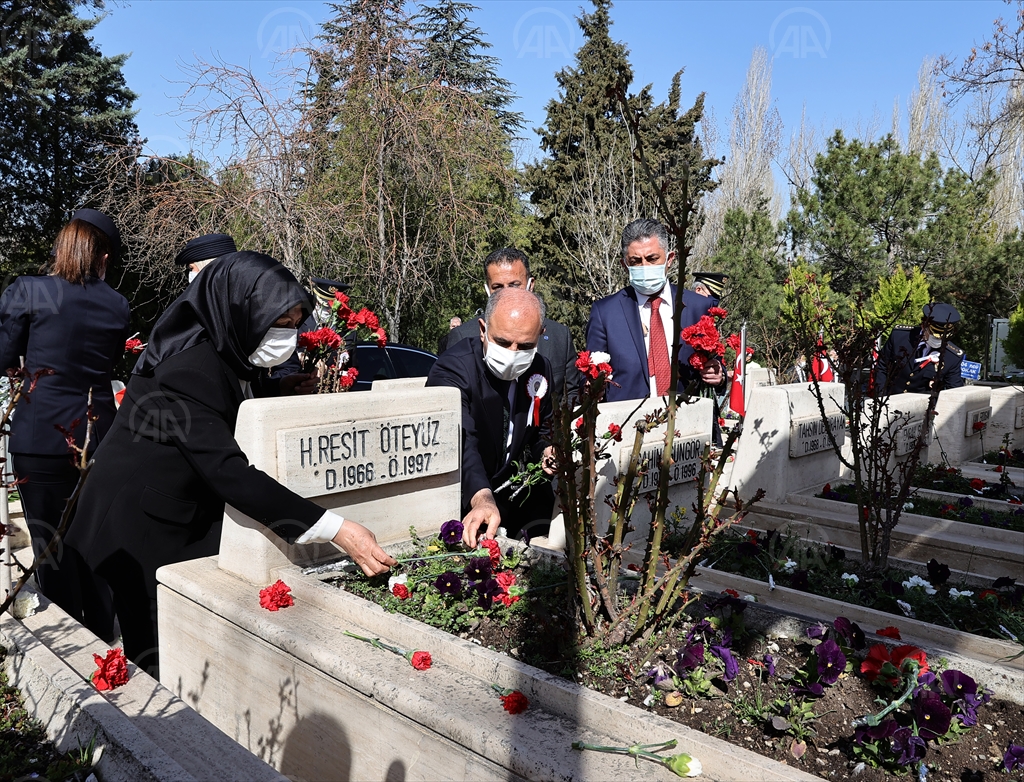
634, 325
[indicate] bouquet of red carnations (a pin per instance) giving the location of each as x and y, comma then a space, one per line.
324, 350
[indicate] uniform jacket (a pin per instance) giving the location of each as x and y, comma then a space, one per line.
898, 371
79, 332
615, 328
168, 465
483, 416
556, 345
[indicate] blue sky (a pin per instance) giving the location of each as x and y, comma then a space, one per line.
846, 62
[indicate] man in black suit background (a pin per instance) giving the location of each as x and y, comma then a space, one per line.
506, 414
910, 360
509, 268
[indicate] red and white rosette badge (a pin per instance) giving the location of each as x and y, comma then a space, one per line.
536, 387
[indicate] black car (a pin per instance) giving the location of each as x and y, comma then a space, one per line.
395, 360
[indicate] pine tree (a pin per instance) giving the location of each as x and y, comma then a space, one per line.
65, 107
587, 186
450, 53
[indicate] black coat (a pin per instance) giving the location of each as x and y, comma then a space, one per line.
556, 345
79, 332
898, 371
483, 416
169, 463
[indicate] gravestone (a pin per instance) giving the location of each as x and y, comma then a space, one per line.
387, 459
785, 445
1007, 418
901, 421
693, 423
957, 438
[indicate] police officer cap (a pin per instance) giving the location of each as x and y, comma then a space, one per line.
941, 317
324, 290
96, 218
202, 248
713, 281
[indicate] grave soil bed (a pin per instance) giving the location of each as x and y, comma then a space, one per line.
25, 750
539, 630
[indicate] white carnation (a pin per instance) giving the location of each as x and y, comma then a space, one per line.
918, 582
600, 357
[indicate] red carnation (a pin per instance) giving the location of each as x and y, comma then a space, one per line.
583, 361
977, 484
276, 596
111, 671
401, 591
515, 702
347, 379
718, 312
505, 580
616, 432
493, 550
133, 345
382, 338
321, 339
731, 593
579, 424
703, 335
978, 426
901, 653
889, 632
420, 660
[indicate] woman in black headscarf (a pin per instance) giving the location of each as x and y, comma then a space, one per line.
170, 462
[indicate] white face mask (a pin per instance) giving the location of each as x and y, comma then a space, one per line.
192, 276
934, 342
647, 280
277, 346
507, 364
322, 313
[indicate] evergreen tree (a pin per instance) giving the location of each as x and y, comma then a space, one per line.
899, 298
450, 53
65, 108
587, 186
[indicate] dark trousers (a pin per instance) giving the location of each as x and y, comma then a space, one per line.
63, 576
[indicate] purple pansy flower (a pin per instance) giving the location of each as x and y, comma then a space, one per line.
451, 532
817, 630
883, 730
799, 580
478, 569
957, 684
1014, 757
662, 677
449, 584
487, 590
831, 661
689, 657
814, 689
850, 632
937, 572
700, 628
731, 666
907, 747
769, 663
965, 502
931, 714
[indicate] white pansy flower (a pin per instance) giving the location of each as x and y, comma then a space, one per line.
905, 608
790, 565
851, 579
956, 593
918, 582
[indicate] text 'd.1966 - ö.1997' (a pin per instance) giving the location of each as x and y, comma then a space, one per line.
332, 458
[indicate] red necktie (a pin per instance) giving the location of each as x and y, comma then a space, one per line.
657, 355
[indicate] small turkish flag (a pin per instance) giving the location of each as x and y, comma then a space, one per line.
736, 392
821, 368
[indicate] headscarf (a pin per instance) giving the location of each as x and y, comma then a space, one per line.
232, 303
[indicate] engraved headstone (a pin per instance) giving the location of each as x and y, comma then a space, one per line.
811, 434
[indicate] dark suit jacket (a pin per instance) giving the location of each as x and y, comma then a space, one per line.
168, 464
483, 416
614, 328
79, 332
556, 345
898, 371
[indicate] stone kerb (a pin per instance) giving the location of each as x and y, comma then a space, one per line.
784, 446
388, 459
758, 377
693, 423
955, 439
1007, 418
398, 384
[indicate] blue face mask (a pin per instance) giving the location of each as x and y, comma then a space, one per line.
647, 280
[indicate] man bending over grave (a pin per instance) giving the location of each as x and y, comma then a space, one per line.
506, 417
914, 359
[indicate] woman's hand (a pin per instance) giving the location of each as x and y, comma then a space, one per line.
361, 544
